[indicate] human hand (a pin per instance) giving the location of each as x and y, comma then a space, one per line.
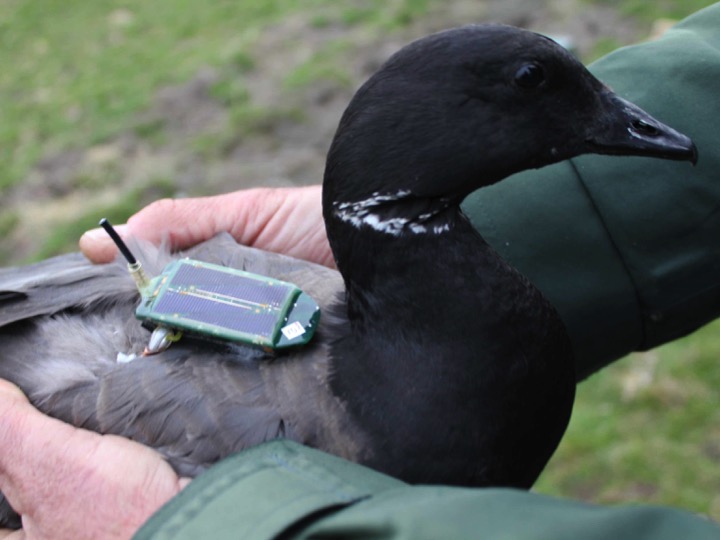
283, 220
67, 482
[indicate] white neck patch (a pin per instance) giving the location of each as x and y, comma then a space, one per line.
360, 213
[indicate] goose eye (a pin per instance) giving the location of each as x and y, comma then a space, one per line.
529, 76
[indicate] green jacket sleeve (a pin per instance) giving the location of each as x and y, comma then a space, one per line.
282, 490
627, 249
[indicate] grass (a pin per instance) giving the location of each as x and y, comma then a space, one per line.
77, 73
322, 65
90, 65
74, 73
647, 429
658, 9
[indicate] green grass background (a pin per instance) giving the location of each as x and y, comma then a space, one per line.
76, 73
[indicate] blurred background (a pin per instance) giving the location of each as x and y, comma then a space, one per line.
107, 105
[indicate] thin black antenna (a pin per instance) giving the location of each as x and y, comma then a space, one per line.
105, 224
134, 267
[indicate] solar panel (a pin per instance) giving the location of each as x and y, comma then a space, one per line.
245, 289
217, 313
229, 304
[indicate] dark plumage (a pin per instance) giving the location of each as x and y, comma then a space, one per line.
434, 360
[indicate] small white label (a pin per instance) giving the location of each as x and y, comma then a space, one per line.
291, 331
123, 358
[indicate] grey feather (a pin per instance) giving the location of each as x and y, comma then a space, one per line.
194, 408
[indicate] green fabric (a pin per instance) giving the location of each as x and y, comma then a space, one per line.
266, 492
434, 513
627, 249
261, 492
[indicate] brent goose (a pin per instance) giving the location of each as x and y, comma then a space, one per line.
434, 361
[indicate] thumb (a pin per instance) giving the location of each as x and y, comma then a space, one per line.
283, 220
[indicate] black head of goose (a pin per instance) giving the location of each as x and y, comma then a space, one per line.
434, 361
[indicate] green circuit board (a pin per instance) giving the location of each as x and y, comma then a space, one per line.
227, 304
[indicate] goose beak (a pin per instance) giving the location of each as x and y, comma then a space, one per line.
625, 129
